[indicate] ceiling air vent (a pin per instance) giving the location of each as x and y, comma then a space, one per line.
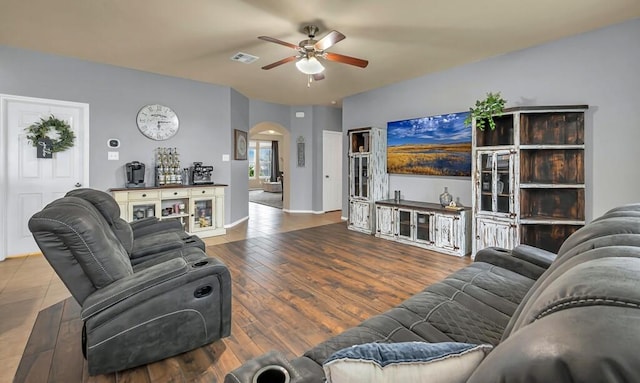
244, 58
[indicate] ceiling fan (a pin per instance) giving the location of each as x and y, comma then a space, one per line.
310, 50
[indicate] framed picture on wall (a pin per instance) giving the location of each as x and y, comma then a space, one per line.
239, 144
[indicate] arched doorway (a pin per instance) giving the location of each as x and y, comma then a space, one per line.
270, 131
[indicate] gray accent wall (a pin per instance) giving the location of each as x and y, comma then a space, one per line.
239, 195
208, 115
115, 96
324, 118
600, 68
306, 181
301, 189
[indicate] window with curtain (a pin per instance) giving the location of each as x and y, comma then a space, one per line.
265, 158
259, 158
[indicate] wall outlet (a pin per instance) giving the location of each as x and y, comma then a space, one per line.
225, 158
113, 156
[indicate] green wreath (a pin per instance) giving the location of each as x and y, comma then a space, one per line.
41, 130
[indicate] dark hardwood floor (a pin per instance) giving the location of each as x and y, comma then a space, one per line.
290, 291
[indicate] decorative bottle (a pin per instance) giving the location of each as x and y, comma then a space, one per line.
445, 198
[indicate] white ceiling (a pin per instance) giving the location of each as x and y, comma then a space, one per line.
195, 39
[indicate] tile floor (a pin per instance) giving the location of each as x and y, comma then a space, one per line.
28, 284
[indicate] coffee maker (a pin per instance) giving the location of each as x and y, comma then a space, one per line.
201, 175
135, 174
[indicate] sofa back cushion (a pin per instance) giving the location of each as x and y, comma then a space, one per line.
79, 245
110, 210
579, 321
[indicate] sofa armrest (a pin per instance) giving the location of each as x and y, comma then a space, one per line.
503, 258
153, 281
534, 255
129, 286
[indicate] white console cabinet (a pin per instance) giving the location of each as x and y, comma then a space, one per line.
426, 225
200, 209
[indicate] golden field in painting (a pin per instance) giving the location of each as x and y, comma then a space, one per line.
430, 159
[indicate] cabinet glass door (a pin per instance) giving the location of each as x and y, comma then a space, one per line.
496, 187
140, 210
355, 170
423, 227
404, 223
359, 169
364, 176
202, 212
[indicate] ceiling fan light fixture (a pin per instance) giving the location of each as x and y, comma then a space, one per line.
309, 65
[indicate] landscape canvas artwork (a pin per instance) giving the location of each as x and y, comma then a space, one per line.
434, 146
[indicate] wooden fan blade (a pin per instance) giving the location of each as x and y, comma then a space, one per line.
330, 39
274, 40
318, 77
346, 59
283, 61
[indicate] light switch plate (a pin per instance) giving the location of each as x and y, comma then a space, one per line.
225, 158
113, 156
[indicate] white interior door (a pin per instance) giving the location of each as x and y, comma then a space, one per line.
29, 182
331, 170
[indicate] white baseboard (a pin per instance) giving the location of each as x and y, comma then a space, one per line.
343, 218
301, 211
236, 222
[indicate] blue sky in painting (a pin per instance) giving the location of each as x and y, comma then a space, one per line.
443, 129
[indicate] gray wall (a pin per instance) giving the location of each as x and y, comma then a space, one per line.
598, 68
115, 95
208, 114
306, 182
302, 188
239, 195
324, 118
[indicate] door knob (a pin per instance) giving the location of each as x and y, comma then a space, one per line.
78, 184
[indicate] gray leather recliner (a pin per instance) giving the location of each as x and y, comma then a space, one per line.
176, 302
143, 239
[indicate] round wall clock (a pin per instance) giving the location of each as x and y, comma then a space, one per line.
157, 122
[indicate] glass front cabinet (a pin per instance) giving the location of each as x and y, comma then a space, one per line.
496, 201
528, 177
368, 179
143, 204
200, 210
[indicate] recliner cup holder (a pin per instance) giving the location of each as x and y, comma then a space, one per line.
272, 374
203, 291
200, 264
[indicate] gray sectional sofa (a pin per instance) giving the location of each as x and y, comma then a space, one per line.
570, 317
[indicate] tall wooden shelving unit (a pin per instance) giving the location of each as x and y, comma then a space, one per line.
528, 178
368, 179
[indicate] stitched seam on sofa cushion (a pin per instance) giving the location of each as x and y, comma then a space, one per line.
484, 272
586, 302
83, 241
461, 290
448, 300
125, 296
204, 323
376, 332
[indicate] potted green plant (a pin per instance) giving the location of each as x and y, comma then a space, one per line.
485, 109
